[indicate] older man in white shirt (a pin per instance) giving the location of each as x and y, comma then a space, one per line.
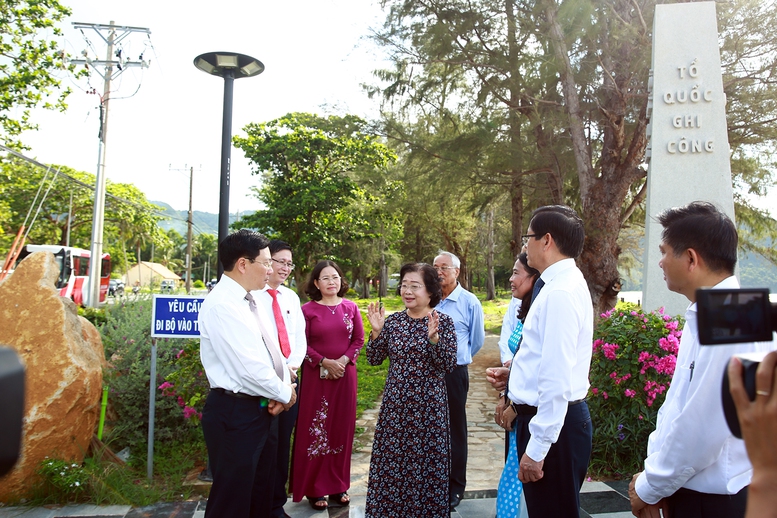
250, 384
695, 467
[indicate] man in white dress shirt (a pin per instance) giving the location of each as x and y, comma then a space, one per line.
294, 327
548, 377
694, 466
249, 384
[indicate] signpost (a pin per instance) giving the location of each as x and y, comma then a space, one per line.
172, 316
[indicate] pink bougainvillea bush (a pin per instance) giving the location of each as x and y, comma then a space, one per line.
187, 384
634, 356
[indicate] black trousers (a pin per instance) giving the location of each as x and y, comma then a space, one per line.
687, 503
557, 493
242, 438
286, 422
457, 383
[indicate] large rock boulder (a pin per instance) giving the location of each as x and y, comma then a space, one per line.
63, 370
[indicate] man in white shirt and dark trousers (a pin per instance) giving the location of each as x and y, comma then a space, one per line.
467, 314
250, 384
288, 324
695, 467
548, 378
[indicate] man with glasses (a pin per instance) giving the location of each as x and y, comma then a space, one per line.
288, 324
548, 378
250, 384
467, 313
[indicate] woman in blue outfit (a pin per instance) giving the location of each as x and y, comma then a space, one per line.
521, 285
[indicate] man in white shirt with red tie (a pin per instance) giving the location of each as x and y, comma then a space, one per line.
250, 384
288, 323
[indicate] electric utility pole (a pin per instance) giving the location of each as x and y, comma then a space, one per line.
112, 35
189, 234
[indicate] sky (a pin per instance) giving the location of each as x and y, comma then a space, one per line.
167, 118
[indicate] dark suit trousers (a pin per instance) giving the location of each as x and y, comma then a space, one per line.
242, 438
286, 422
687, 503
457, 383
557, 493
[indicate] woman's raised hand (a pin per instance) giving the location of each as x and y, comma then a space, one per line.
434, 322
376, 314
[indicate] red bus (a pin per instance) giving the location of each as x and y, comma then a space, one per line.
74, 266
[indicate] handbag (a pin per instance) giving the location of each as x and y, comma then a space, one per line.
505, 413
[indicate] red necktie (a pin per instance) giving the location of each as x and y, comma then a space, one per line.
283, 336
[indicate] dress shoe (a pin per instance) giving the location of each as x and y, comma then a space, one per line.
455, 501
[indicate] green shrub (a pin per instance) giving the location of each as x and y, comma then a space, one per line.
94, 315
127, 340
187, 384
199, 284
106, 483
63, 481
634, 356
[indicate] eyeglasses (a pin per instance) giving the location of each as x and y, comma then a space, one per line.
266, 264
412, 288
334, 278
525, 239
444, 268
287, 264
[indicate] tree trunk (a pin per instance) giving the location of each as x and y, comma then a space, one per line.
602, 195
490, 286
383, 277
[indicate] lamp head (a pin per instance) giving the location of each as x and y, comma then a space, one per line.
225, 64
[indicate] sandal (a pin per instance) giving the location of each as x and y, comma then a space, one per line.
318, 503
341, 498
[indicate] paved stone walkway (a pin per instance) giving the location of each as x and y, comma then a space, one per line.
484, 467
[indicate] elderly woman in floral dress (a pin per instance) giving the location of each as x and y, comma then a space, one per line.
411, 452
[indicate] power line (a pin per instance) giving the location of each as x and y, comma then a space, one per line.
90, 187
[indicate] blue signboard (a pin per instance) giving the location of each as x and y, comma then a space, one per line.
175, 316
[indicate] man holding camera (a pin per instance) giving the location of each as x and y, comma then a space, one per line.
695, 467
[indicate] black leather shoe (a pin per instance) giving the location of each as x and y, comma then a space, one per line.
455, 501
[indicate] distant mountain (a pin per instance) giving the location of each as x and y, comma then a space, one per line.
202, 222
754, 272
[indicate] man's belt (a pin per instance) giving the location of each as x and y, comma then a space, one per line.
263, 401
532, 410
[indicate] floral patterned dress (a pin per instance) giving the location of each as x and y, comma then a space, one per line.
410, 462
323, 440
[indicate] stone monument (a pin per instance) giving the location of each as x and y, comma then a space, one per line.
688, 152
63, 358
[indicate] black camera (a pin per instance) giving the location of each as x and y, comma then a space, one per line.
735, 316
11, 408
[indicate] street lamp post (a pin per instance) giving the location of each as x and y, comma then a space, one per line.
230, 66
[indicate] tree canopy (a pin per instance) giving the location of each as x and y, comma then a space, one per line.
322, 184
30, 64
523, 103
129, 218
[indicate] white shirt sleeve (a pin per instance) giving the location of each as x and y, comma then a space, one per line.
299, 347
694, 436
